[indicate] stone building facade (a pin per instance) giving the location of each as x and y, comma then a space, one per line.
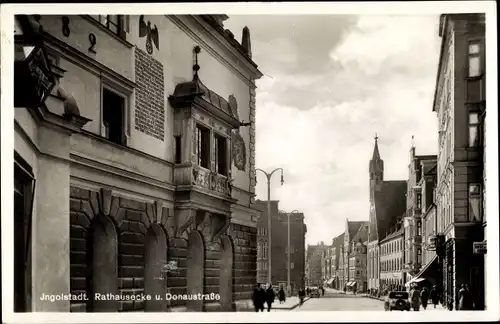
413, 224
279, 252
429, 217
391, 259
357, 276
314, 256
337, 263
460, 106
145, 175
351, 229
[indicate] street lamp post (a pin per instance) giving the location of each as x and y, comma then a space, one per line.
268, 176
289, 286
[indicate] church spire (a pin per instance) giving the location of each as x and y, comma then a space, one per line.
376, 154
376, 165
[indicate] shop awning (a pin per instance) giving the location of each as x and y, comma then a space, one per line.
421, 276
351, 283
329, 281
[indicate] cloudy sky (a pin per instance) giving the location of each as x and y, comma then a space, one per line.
331, 82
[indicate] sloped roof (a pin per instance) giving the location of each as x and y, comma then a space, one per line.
362, 233
394, 234
338, 241
390, 203
353, 228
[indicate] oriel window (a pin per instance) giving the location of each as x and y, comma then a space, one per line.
203, 146
473, 129
113, 111
475, 59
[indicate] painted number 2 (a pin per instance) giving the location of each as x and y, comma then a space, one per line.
65, 27
93, 42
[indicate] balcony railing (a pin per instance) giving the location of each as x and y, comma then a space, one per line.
210, 180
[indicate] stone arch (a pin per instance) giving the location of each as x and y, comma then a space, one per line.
93, 260
155, 276
103, 244
226, 273
195, 269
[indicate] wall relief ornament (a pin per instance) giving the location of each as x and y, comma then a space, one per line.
239, 151
151, 34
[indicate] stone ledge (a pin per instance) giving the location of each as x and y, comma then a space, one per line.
178, 309
244, 305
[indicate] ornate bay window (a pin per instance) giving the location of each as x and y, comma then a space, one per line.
205, 127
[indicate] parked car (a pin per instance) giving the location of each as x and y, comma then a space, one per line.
397, 300
315, 293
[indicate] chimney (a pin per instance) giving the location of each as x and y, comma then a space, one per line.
245, 41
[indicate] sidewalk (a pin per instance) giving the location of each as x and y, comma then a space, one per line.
430, 306
289, 304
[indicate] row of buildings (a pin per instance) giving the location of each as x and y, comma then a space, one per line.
134, 162
343, 263
286, 251
430, 227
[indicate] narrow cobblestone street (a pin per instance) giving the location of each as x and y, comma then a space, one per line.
334, 300
338, 301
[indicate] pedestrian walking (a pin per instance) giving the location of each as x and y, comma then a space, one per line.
258, 298
424, 297
415, 298
322, 291
302, 295
281, 296
434, 296
270, 297
465, 301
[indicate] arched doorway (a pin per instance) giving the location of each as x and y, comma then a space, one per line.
102, 266
226, 274
195, 265
155, 280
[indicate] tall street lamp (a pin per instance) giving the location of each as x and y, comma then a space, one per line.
289, 286
268, 176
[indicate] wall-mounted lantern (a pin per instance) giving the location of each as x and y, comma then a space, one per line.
33, 80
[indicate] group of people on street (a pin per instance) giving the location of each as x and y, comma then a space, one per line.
262, 297
421, 298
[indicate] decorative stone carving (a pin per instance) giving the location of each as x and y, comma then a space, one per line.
210, 180
219, 226
185, 219
233, 106
239, 151
201, 177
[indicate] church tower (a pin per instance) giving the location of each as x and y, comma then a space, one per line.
376, 170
